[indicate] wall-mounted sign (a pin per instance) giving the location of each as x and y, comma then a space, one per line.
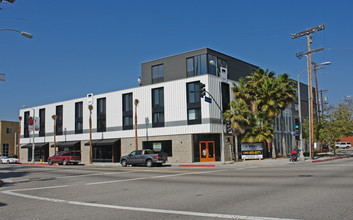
251, 151
157, 147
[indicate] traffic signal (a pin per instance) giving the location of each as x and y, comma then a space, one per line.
228, 126
202, 90
297, 125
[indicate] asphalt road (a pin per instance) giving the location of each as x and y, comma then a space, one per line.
277, 191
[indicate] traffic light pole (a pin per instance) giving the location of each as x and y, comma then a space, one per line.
202, 94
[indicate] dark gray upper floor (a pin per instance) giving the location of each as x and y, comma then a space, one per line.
193, 63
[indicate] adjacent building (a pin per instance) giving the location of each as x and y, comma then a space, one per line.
166, 106
8, 138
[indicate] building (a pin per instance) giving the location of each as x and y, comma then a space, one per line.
8, 138
171, 115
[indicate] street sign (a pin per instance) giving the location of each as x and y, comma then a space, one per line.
208, 99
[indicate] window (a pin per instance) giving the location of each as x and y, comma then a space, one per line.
212, 65
41, 122
193, 103
25, 125
157, 146
8, 130
59, 120
158, 107
127, 111
157, 73
78, 118
101, 117
225, 97
5, 150
196, 65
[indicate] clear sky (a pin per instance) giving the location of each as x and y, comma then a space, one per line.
93, 46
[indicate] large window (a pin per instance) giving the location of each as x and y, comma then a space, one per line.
5, 150
203, 64
193, 103
196, 65
127, 111
59, 120
25, 125
42, 122
157, 146
101, 117
78, 118
158, 107
157, 73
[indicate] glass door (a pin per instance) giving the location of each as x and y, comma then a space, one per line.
207, 151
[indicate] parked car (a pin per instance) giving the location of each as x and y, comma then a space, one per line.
4, 159
343, 145
13, 160
144, 157
65, 157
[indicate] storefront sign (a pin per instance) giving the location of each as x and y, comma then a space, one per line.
157, 147
251, 151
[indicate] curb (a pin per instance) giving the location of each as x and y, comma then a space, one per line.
43, 164
328, 159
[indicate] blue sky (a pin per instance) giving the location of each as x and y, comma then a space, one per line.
82, 47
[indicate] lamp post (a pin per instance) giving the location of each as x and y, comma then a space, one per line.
33, 146
25, 34
136, 142
19, 138
90, 108
54, 117
301, 155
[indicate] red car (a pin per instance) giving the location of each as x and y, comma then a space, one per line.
65, 157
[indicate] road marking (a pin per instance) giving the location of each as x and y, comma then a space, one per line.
153, 177
139, 209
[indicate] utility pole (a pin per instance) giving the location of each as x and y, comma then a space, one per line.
311, 103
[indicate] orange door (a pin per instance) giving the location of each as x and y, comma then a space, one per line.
207, 151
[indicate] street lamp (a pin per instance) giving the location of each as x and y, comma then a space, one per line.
301, 155
25, 34
33, 146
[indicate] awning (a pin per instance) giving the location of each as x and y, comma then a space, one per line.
104, 142
36, 145
66, 144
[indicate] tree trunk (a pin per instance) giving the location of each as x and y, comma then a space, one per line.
236, 148
274, 156
282, 135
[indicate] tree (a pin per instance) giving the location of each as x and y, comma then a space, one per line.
255, 107
337, 122
238, 116
286, 95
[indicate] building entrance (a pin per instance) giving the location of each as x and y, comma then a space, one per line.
207, 151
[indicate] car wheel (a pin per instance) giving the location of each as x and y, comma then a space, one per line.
124, 163
149, 163
50, 162
64, 162
8, 162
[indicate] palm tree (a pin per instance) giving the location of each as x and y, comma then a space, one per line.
238, 115
287, 91
54, 117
